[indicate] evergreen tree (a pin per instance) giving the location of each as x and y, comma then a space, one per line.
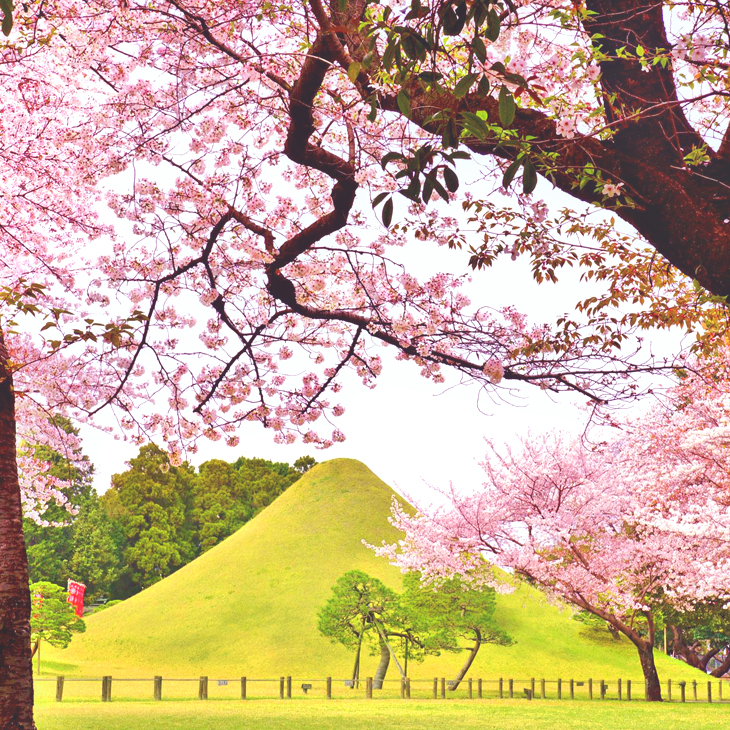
96, 558
153, 500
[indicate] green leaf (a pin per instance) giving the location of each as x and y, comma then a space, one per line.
483, 87
404, 103
388, 212
451, 179
427, 189
440, 189
507, 107
430, 77
7, 7
529, 177
373, 113
475, 126
390, 157
480, 50
454, 18
353, 71
493, 26
379, 199
510, 173
413, 191
462, 88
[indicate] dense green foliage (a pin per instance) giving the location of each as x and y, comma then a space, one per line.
53, 619
154, 519
426, 619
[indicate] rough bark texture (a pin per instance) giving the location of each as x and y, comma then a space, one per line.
651, 678
16, 677
454, 684
680, 211
382, 669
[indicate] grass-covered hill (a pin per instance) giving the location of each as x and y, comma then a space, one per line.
249, 605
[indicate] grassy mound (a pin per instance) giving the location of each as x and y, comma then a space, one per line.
249, 605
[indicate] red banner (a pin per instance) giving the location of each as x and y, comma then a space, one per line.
76, 596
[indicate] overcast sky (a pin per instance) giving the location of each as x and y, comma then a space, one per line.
410, 432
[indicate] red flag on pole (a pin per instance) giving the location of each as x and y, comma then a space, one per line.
76, 596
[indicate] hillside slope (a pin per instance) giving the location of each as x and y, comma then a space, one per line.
249, 605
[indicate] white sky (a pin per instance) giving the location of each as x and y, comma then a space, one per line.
410, 432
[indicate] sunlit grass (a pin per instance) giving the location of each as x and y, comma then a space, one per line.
380, 715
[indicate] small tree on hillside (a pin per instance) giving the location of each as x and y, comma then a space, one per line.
53, 618
451, 612
363, 610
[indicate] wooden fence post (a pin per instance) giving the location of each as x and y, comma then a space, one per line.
511, 684
479, 688
157, 692
694, 688
243, 688
628, 690
408, 688
435, 687
282, 680
719, 690
603, 690
532, 687
106, 689
443, 688
542, 689
203, 688
572, 689
619, 689
59, 689
369, 688
709, 691
402, 688
590, 689
329, 688
288, 688
682, 686
560, 688
471, 695
501, 688
669, 690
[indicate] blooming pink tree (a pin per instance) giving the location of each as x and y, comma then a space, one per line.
621, 531
241, 148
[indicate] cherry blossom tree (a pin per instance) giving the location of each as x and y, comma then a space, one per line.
241, 148
625, 531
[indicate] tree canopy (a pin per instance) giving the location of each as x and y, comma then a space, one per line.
241, 147
631, 531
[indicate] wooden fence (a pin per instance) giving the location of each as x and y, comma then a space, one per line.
286, 687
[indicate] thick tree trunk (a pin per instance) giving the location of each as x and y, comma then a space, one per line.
16, 674
651, 678
454, 684
382, 666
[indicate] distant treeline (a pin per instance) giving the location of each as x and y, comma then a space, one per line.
154, 519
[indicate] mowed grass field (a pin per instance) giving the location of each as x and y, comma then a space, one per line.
382, 715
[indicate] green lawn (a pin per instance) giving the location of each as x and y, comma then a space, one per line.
380, 715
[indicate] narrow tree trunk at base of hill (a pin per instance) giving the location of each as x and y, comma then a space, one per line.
651, 678
16, 674
382, 667
454, 684
722, 669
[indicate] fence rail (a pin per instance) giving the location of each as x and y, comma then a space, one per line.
439, 688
